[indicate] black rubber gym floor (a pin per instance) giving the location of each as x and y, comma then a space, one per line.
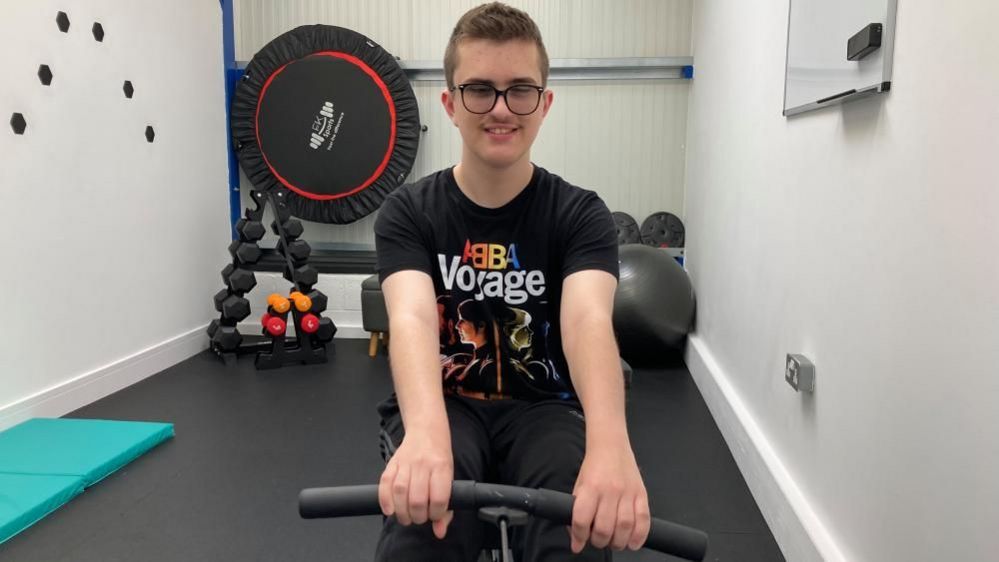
226, 487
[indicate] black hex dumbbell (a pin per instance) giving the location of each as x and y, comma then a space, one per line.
235, 308
292, 228
226, 338
245, 252
326, 331
319, 301
227, 272
238, 279
303, 275
298, 249
250, 230
219, 298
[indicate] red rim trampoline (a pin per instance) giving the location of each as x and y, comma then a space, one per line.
329, 115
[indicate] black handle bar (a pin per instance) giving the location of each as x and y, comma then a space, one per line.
348, 501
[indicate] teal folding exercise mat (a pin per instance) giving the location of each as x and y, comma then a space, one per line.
27, 498
44, 462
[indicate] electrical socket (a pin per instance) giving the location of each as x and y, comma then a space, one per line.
799, 372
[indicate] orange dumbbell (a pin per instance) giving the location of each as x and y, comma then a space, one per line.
302, 302
278, 303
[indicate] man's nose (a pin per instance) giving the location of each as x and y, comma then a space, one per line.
500, 107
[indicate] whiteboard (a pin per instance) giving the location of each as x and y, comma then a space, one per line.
818, 73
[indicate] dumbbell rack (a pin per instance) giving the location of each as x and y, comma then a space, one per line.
278, 349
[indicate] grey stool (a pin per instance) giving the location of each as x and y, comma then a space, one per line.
374, 316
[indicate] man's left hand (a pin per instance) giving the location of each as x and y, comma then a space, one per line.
612, 505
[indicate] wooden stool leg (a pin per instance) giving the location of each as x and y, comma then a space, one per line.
373, 344
385, 339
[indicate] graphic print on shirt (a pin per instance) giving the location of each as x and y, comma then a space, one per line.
490, 346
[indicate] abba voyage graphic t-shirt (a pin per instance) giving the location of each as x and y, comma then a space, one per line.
498, 275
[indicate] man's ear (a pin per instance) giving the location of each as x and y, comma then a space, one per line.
447, 100
549, 98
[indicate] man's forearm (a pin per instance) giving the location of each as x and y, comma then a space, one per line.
596, 374
415, 367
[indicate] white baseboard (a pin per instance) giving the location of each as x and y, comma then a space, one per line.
89, 387
352, 333
75, 393
799, 532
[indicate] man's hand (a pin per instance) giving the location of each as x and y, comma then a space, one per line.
416, 483
612, 506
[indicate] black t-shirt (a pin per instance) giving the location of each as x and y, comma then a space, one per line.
498, 276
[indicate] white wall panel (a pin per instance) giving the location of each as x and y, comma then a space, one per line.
114, 243
863, 236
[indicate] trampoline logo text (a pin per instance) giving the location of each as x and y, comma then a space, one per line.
324, 128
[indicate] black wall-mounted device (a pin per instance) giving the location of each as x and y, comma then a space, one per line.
865, 42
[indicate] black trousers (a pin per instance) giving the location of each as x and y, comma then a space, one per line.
531, 444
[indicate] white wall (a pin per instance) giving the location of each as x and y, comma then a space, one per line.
111, 245
623, 139
864, 236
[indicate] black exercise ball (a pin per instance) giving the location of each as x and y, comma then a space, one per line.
654, 303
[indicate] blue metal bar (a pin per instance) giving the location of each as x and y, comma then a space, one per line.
232, 74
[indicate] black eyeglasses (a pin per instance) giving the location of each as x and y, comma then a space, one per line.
522, 99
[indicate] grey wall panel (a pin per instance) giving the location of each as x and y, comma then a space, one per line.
419, 29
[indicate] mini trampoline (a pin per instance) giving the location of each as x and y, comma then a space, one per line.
329, 115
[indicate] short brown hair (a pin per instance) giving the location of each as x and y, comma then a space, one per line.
497, 22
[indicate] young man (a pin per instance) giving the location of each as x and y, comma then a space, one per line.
515, 258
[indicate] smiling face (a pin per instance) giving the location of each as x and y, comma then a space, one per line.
499, 138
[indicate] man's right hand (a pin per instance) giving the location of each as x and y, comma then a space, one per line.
416, 484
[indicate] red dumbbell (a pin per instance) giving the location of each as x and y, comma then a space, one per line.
274, 325
310, 323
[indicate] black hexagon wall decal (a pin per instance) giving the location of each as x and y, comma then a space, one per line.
18, 123
62, 20
45, 74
